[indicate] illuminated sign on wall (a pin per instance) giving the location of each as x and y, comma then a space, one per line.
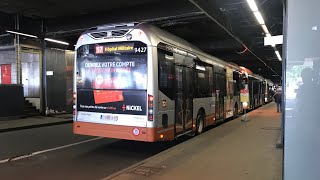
6, 73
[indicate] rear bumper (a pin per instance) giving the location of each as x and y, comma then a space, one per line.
121, 132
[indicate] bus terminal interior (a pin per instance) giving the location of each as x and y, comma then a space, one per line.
159, 89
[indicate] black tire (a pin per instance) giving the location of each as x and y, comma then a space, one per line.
200, 123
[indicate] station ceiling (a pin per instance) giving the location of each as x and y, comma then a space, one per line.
224, 28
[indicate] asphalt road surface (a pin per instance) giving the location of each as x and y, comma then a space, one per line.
59, 154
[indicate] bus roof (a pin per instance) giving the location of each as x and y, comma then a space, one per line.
157, 35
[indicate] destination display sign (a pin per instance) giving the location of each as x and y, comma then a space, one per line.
120, 48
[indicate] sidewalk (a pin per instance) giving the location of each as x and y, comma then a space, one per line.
34, 122
232, 151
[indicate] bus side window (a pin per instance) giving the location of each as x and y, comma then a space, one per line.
166, 73
202, 79
210, 79
236, 86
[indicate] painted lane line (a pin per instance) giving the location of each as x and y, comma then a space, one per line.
46, 150
4, 161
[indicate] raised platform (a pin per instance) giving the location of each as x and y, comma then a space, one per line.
234, 150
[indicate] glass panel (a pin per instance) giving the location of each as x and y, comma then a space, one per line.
166, 73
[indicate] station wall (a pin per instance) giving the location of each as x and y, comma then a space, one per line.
59, 67
59, 84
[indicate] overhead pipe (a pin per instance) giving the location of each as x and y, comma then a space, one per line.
187, 16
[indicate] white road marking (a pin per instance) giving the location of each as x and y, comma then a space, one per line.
46, 150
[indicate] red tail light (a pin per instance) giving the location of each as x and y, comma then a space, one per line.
74, 97
150, 107
74, 105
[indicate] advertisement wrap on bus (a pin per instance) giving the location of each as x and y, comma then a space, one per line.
111, 83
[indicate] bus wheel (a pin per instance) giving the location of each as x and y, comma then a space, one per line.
200, 123
235, 111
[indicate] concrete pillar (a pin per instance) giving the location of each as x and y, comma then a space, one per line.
302, 95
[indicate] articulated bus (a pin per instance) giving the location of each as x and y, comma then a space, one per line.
138, 82
260, 89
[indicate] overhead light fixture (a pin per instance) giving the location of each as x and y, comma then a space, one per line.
56, 41
271, 42
259, 17
22, 34
265, 29
278, 55
252, 5
4, 35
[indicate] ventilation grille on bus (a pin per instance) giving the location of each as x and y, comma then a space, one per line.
108, 34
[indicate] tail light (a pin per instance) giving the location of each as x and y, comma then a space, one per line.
74, 97
74, 107
150, 107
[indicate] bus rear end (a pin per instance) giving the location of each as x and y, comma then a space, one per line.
111, 90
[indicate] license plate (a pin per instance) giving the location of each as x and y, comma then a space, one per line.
109, 118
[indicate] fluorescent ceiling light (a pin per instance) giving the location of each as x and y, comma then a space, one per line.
259, 17
265, 29
22, 34
56, 41
253, 5
268, 35
278, 55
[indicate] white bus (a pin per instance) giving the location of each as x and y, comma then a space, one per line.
141, 83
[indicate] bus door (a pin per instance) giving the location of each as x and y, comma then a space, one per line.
184, 99
220, 92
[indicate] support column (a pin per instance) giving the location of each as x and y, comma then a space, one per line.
43, 92
302, 70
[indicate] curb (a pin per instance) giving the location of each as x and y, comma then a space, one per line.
34, 126
6, 118
279, 143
